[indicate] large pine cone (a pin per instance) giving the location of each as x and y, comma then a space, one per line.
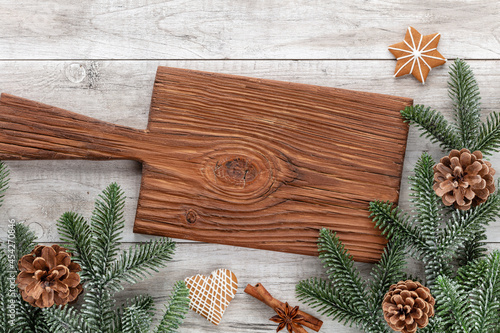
463, 179
48, 277
407, 306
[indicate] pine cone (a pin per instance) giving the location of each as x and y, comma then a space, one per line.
48, 277
408, 305
463, 179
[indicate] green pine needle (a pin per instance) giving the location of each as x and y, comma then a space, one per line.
485, 299
426, 202
330, 301
175, 310
488, 139
340, 268
138, 262
472, 274
137, 315
97, 308
464, 225
389, 270
107, 226
24, 239
464, 93
66, 320
473, 248
433, 126
452, 305
391, 220
4, 292
76, 233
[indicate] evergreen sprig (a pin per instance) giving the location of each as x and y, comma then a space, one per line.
464, 93
346, 297
26, 319
175, 310
138, 261
471, 302
95, 246
433, 125
467, 131
137, 315
451, 243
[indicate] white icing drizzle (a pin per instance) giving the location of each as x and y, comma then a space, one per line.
416, 53
211, 295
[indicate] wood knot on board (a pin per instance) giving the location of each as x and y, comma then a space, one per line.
191, 216
239, 171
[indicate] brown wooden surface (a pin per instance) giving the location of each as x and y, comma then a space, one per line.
237, 160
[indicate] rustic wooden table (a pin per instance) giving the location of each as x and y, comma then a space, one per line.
100, 58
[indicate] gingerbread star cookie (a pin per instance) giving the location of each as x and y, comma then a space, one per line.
417, 54
211, 295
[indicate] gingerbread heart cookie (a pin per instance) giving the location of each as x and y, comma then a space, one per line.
211, 295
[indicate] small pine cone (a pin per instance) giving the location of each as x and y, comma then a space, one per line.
408, 305
48, 277
463, 179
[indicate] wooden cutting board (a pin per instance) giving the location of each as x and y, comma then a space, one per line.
237, 160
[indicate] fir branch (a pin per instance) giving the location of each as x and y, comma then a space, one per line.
97, 308
473, 248
29, 319
484, 301
463, 225
175, 310
433, 125
137, 315
331, 301
488, 139
138, 262
107, 224
76, 233
340, 269
464, 93
434, 326
427, 203
386, 272
24, 239
472, 274
393, 221
5, 274
452, 305
4, 180
66, 320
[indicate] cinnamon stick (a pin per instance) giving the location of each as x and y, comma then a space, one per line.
260, 293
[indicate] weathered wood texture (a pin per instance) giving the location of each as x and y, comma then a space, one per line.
238, 161
243, 29
266, 164
42, 190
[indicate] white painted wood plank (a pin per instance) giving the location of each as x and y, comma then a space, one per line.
241, 29
120, 92
279, 273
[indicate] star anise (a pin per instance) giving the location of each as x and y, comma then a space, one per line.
287, 317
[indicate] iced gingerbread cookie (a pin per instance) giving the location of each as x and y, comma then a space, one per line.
211, 295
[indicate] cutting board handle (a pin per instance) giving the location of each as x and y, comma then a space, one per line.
32, 130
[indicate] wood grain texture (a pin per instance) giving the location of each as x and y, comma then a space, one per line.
269, 34
238, 161
266, 164
242, 29
41, 190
